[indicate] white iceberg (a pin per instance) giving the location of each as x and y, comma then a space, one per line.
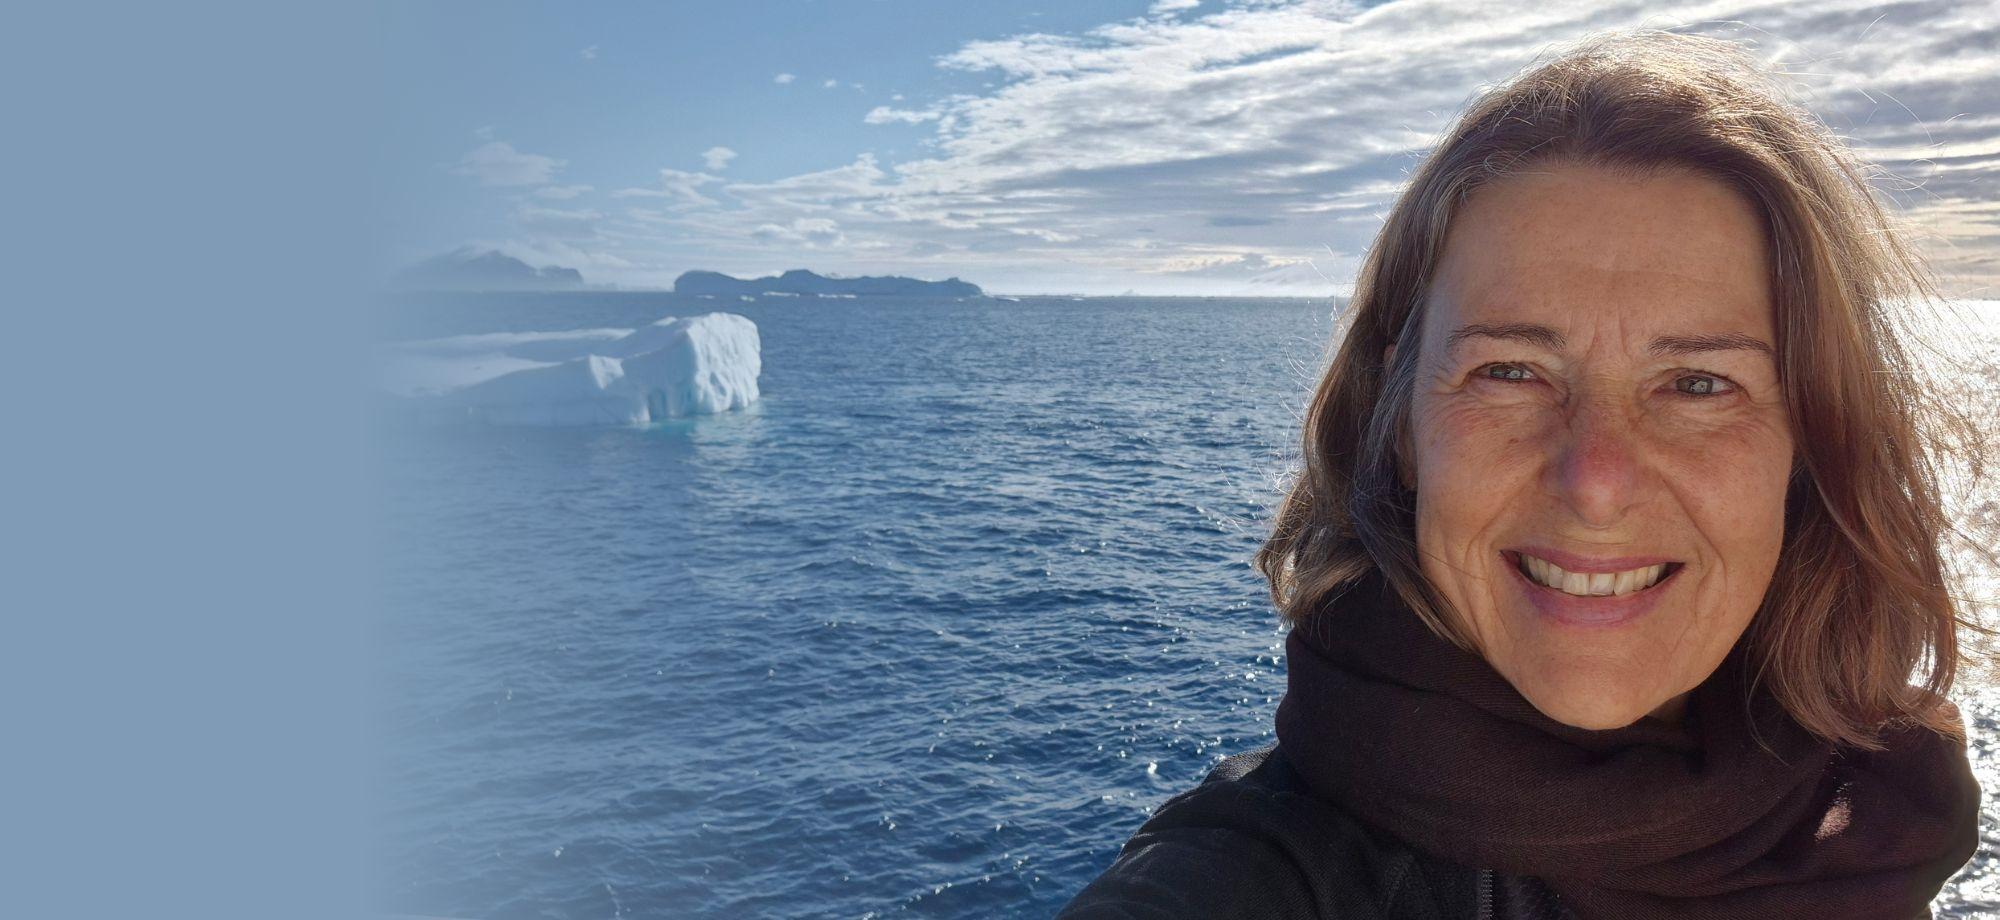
677, 367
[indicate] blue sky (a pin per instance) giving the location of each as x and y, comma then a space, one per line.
1088, 146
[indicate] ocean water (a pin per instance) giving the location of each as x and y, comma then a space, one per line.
928, 631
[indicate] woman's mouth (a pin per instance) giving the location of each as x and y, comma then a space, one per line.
1595, 598
1592, 584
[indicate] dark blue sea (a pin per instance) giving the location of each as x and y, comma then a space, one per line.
926, 631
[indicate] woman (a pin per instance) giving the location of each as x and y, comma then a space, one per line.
1616, 544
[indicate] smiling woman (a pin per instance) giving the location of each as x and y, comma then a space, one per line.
1617, 544
1596, 402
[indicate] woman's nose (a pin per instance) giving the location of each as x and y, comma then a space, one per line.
1598, 470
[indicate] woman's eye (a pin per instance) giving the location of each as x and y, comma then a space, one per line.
1506, 372
1701, 385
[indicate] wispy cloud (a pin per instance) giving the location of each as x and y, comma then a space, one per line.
1258, 144
718, 157
812, 232
784, 78
883, 115
679, 189
498, 163
561, 192
590, 53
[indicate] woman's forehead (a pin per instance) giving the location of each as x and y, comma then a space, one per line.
1583, 232
1635, 302
1578, 251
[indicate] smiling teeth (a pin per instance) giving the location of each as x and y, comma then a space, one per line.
1585, 584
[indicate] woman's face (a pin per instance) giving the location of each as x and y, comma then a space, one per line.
1597, 391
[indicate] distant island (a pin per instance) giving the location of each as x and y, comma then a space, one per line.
798, 281
491, 270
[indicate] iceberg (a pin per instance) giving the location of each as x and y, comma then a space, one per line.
675, 368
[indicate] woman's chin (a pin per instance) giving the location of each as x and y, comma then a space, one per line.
1591, 708
1583, 679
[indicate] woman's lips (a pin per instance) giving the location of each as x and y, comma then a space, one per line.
1594, 612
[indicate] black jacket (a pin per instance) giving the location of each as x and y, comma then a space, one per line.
1250, 842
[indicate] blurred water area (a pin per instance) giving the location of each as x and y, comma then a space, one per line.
926, 631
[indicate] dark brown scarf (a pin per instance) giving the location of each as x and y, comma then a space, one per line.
1427, 742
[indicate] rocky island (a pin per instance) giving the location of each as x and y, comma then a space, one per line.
800, 282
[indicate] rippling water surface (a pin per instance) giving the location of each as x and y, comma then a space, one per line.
928, 631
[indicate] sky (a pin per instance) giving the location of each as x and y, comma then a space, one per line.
1196, 147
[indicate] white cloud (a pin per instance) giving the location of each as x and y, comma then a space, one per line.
498, 163
590, 53
718, 157
829, 84
811, 232
679, 189
1262, 142
560, 192
831, 189
1162, 7
882, 115
784, 78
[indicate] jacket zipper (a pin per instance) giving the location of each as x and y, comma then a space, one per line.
1485, 894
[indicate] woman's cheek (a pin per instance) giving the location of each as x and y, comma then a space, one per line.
1467, 437
1743, 455
1730, 482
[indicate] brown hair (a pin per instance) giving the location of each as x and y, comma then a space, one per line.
1860, 598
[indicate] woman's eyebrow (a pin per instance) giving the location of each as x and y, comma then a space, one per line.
1530, 333
1721, 341
1547, 338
